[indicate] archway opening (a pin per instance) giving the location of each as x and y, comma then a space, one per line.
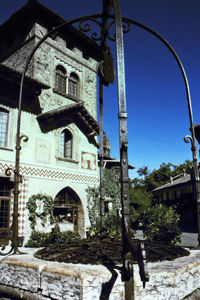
68, 210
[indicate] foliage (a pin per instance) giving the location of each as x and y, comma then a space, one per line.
48, 206
39, 239
112, 218
112, 190
93, 205
140, 201
151, 180
113, 224
160, 223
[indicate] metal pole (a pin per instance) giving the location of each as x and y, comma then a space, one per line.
106, 5
129, 284
122, 121
189, 103
196, 185
101, 154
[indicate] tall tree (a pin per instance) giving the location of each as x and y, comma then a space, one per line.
158, 177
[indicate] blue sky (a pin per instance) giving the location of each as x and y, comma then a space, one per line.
158, 116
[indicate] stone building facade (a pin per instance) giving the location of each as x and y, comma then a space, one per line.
60, 161
180, 191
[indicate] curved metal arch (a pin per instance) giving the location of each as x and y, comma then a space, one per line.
178, 60
87, 28
187, 138
127, 23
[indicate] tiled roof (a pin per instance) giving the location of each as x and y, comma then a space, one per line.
174, 182
10, 70
111, 162
65, 115
9, 90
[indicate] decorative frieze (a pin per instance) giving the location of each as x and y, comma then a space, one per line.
26, 170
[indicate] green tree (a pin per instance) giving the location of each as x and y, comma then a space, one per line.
159, 220
158, 177
143, 171
160, 224
140, 202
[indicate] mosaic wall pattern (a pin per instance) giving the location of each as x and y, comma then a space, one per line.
42, 172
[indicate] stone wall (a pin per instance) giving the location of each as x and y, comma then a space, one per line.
18, 59
32, 278
55, 52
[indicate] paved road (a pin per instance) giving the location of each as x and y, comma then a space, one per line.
188, 239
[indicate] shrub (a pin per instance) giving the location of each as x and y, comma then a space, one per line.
47, 204
160, 223
112, 218
39, 239
140, 202
113, 224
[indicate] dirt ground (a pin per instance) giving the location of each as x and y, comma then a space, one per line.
106, 250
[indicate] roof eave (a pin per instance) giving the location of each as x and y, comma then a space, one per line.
65, 115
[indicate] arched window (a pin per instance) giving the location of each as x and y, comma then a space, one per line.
66, 144
3, 127
60, 83
73, 87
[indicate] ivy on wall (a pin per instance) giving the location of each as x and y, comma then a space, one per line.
40, 206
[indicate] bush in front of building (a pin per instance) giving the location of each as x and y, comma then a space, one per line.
41, 239
160, 224
40, 206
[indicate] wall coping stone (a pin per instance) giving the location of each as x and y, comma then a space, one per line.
169, 280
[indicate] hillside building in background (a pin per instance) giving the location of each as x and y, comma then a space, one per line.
180, 192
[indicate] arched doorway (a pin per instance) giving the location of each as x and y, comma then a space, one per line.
68, 211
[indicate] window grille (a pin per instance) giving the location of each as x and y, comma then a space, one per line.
4, 213
4, 206
66, 144
4, 190
73, 85
60, 83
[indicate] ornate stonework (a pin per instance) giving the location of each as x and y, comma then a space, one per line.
42, 151
88, 161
